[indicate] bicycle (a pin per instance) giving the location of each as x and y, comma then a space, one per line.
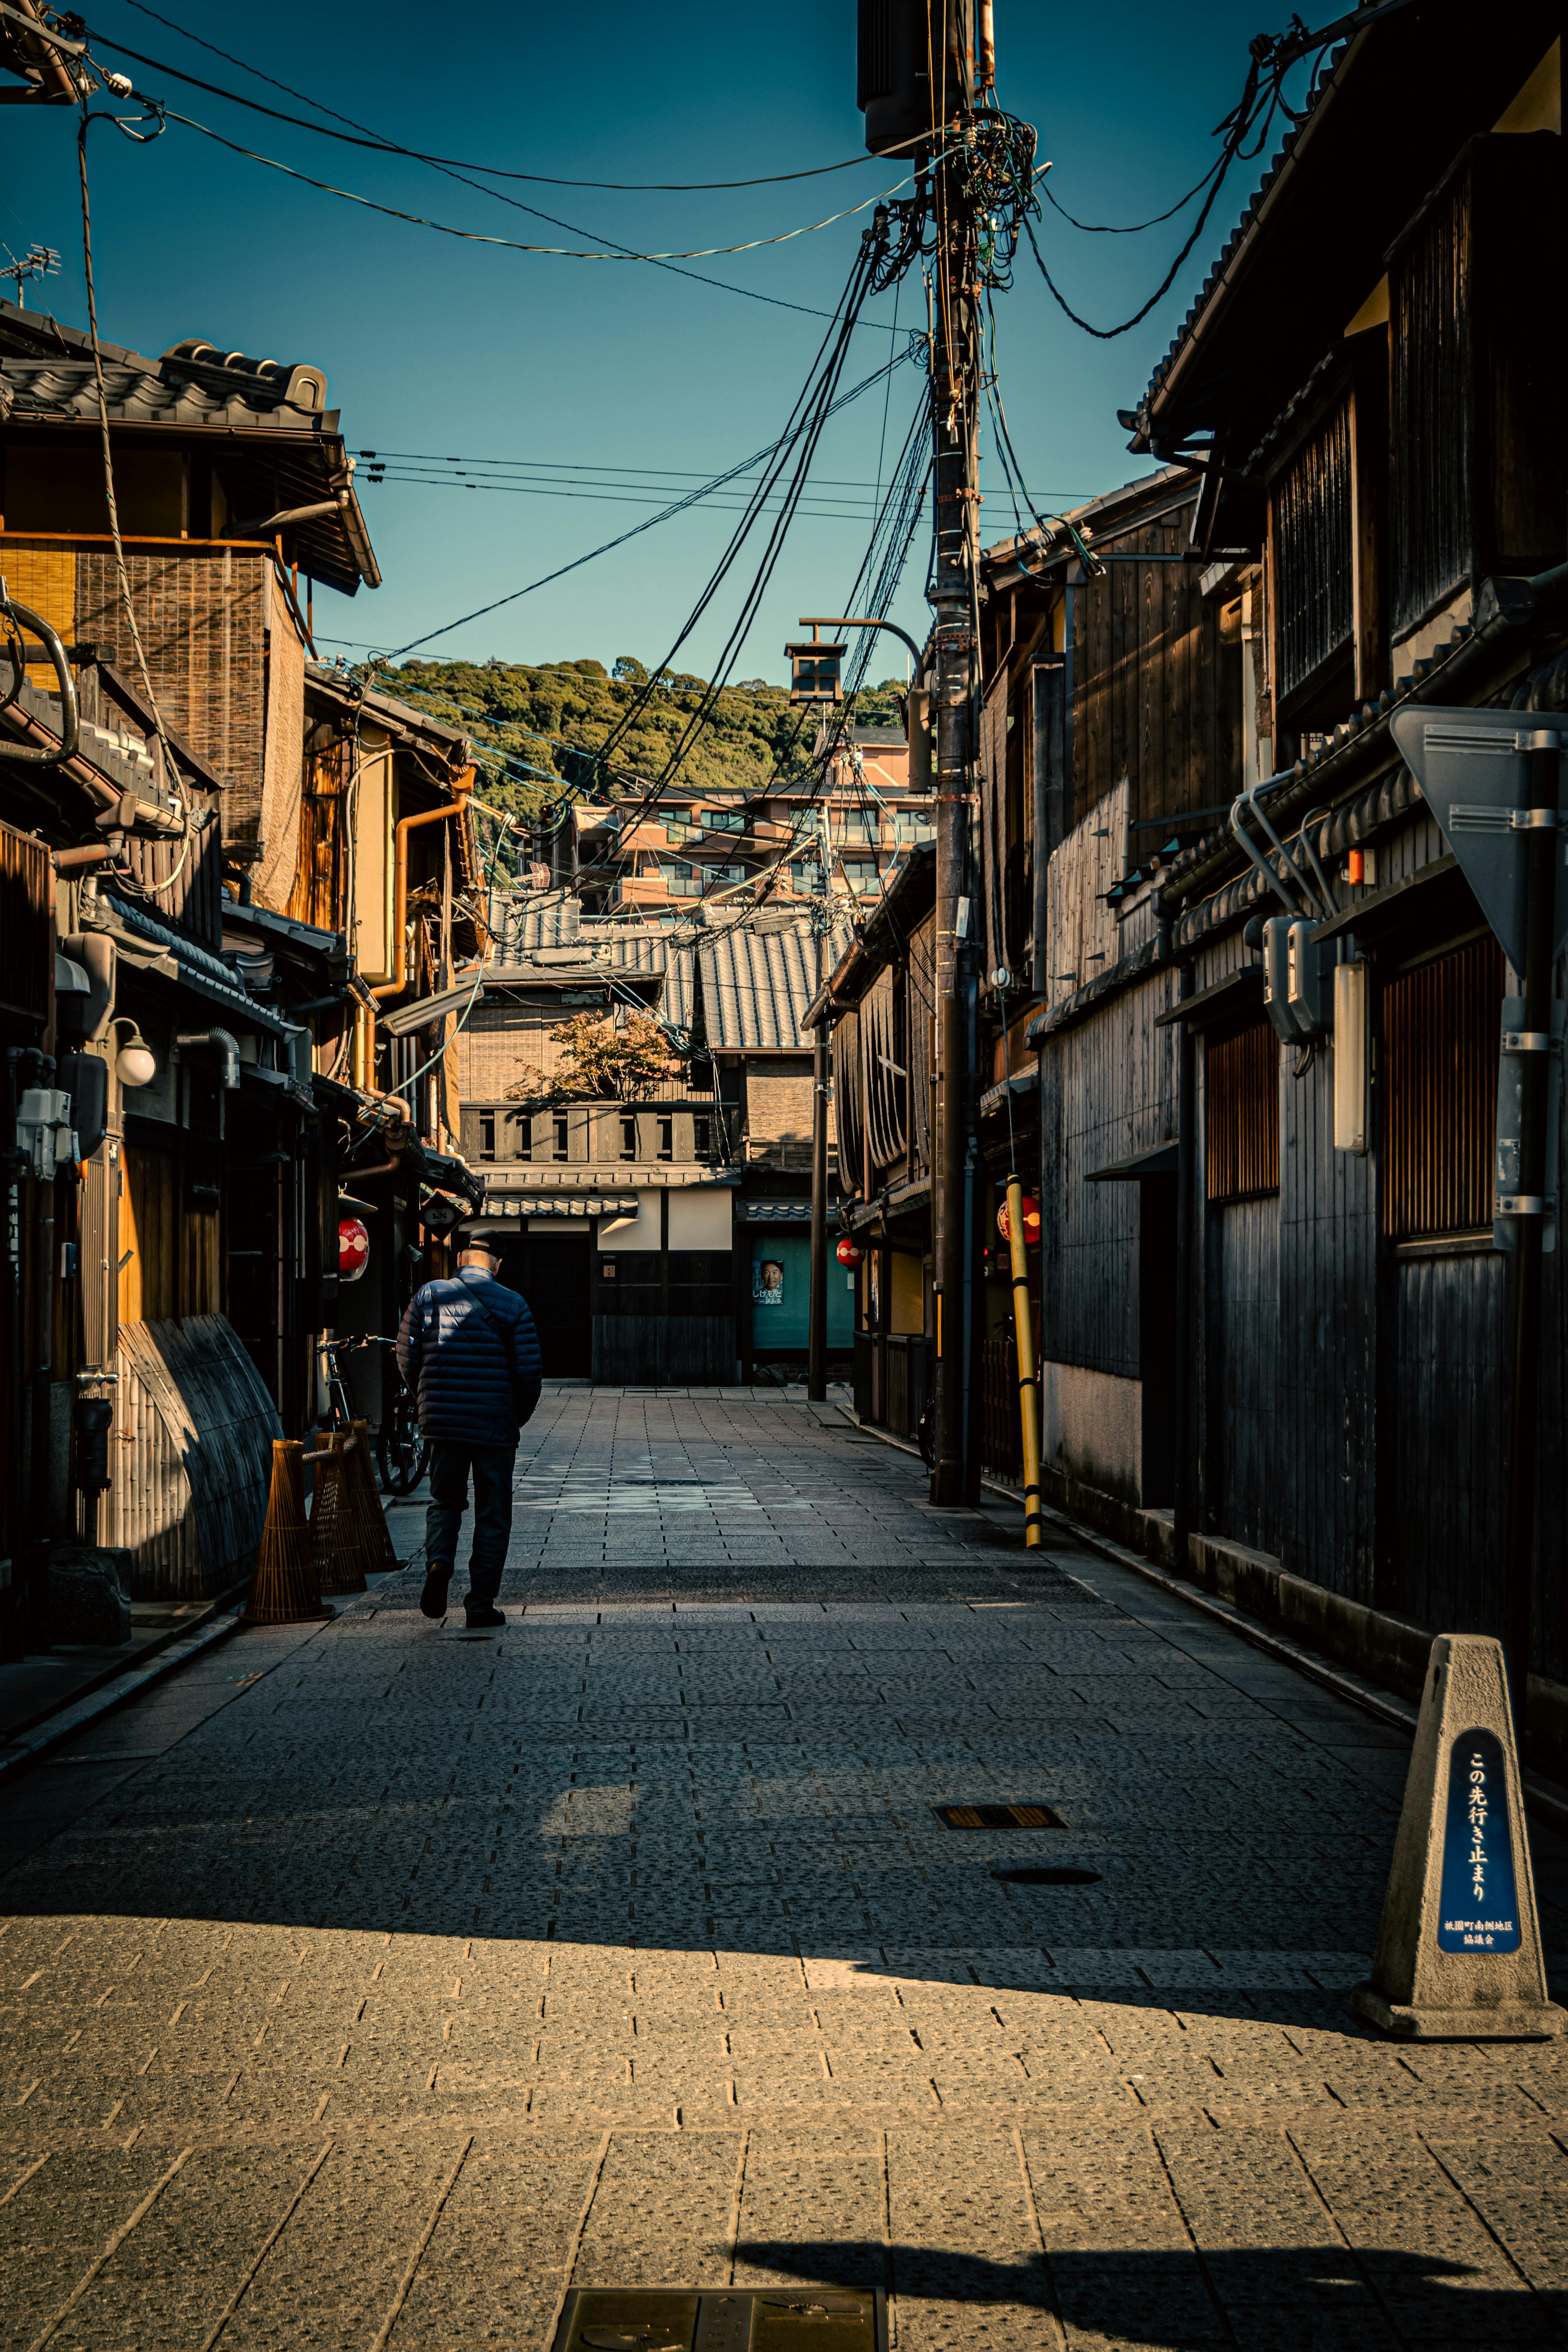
402, 1454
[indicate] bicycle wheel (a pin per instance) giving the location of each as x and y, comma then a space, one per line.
402, 1455
925, 1437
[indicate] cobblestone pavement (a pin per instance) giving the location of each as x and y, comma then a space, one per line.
369, 1985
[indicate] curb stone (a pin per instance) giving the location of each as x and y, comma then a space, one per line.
1549, 1804
80, 1714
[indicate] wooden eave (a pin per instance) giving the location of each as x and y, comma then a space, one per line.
1408, 93
343, 566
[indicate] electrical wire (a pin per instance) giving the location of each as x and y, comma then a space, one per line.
843, 511
1132, 228
1261, 98
451, 173
896, 523
679, 505
171, 769
1014, 471
513, 243
817, 400
812, 410
447, 162
376, 458
896, 526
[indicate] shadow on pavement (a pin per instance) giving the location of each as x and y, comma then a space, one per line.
1263, 2298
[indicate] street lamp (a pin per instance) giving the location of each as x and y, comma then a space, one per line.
133, 1064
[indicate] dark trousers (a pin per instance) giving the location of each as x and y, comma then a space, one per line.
450, 1461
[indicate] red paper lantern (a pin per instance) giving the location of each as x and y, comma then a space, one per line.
1031, 1222
353, 1248
849, 1252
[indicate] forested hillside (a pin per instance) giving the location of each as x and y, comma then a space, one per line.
540, 716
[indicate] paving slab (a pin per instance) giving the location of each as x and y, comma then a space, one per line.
373, 1987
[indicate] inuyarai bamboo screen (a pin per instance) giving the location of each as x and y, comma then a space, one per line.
1241, 1091
1438, 1070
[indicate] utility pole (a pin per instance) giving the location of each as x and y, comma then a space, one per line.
927, 78
955, 369
1494, 781
817, 1327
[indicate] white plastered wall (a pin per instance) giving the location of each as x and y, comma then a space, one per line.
1094, 1429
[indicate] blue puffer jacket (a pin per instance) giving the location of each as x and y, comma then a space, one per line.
467, 1349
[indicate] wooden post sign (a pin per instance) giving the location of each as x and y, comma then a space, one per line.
1458, 1953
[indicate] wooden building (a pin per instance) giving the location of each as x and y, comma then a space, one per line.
658, 1232
198, 936
1274, 1337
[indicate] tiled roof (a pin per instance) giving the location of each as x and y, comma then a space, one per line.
46, 378
756, 987
758, 978
1102, 513
46, 370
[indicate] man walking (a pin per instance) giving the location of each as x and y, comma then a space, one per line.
468, 1351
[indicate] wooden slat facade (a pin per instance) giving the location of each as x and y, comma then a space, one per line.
1156, 691
1439, 1063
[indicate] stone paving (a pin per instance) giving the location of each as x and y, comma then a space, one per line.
371, 1985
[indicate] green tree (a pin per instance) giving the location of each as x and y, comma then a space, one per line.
599, 1061
554, 716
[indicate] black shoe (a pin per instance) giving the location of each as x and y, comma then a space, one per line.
482, 1620
433, 1599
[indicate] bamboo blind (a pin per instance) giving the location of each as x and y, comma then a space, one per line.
26, 910
1438, 1070
1241, 1092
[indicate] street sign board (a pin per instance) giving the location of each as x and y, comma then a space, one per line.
1472, 774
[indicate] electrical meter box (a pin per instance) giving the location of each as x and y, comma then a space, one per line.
1306, 987
1277, 978
1295, 996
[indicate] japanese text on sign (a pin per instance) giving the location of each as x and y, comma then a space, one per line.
1480, 1910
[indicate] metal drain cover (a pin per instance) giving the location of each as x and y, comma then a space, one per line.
682, 2319
1048, 1877
998, 1817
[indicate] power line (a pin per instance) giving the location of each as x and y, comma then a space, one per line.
649, 523
698, 277
575, 465
512, 243
417, 155
656, 481
1111, 228
842, 510
1261, 98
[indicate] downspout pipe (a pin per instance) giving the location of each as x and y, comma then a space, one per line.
268, 526
398, 981
70, 721
227, 1047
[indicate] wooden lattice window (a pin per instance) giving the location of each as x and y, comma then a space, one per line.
1242, 1101
1312, 547
1438, 1071
1432, 434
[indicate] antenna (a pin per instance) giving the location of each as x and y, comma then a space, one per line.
38, 261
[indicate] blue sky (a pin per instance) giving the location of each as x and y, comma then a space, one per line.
458, 350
